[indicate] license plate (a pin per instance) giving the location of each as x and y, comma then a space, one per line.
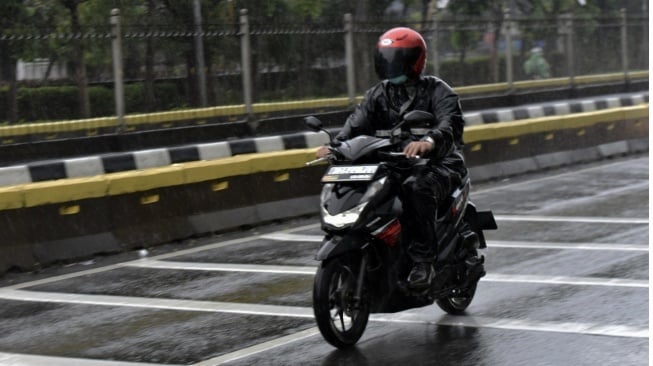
350, 173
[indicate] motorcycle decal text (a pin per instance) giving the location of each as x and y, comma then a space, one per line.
350, 173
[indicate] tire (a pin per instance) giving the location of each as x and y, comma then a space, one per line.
457, 304
340, 321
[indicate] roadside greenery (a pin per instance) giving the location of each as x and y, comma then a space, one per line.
298, 47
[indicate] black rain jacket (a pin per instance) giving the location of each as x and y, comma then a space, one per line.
377, 113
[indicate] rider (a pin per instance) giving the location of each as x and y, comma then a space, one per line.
399, 61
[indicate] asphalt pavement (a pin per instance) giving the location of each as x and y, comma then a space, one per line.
567, 284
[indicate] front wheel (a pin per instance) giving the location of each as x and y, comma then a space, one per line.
340, 317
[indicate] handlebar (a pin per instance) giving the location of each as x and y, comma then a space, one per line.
397, 154
317, 161
331, 157
400, 154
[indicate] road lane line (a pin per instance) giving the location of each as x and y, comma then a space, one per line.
565, 280
515, 324
128, 263
568, 246
21, 359
293, 237
157, 303
224, 267
306, 312
510, 186
306, 270
491, 243
262, 347
581, 219
202, 248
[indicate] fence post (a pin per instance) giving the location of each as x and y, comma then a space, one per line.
569, 28
624, 44
246, 61
349, 58
116, 51
199, 53
509, 68
434, 45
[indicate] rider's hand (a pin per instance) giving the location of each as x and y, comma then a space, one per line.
418, 148
322, 151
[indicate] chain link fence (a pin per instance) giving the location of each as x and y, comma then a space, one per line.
289, 61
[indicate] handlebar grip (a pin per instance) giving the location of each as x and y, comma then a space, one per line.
316, 161
397, 154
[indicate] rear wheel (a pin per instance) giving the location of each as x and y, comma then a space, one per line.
339, 316
458, 301
465, 282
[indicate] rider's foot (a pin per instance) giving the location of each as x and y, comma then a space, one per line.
421, 275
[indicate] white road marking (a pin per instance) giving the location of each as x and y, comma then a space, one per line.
304, 270
20, 359
262, 347
569, 246
594, 220
306, 312
510, 186
66, 276
224, 267
156, 303
515, 324
289, 237
128, 263
293, 237
565, 280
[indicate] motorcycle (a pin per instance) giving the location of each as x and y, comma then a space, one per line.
363, 264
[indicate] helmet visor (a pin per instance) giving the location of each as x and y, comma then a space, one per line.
390, 63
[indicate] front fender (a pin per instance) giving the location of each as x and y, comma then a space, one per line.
337, 245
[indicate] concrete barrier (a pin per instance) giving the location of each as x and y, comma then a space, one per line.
69, 219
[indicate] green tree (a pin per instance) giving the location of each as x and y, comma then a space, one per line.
13, 15
78, 59
463, 37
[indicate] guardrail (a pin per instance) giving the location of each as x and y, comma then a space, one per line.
74, 218
94, 126
52, 169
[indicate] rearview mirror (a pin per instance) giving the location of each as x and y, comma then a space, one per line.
313, 123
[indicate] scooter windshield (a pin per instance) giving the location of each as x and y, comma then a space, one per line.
361, 146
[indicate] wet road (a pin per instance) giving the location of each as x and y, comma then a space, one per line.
567, 284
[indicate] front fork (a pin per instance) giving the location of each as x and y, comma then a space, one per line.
360, 280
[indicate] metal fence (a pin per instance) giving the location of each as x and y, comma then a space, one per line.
131, 68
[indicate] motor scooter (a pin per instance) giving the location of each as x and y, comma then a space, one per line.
363, 264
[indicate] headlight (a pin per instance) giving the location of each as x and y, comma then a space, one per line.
326, 191
343, 219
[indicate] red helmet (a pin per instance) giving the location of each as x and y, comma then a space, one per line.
400, 55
